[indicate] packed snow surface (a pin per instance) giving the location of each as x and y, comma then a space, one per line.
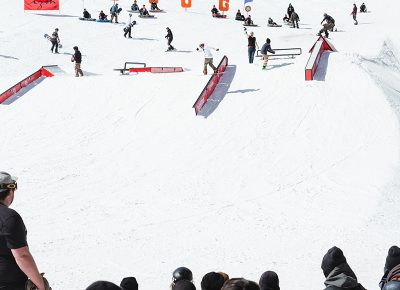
118, 177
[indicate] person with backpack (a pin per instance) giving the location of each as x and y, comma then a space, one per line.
55, 40
169, 38
328, 25
295, 19
392, 260
208, 57
114, 10
337, 272
264, 52
251, 45
77, 58
354, 13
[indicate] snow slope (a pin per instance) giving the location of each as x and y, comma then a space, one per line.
118, 177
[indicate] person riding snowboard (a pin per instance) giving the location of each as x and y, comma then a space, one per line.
328, 25
169, 37
208, 57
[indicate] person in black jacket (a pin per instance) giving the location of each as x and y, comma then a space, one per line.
77, 58
86, 14
290, 10
354, 13
338, 274
169, 37
215, 11
392, 260
239, 16
363, 8
328, 25
251, 45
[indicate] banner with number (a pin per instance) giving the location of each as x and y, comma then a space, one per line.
41, 5
186, 3
223, 5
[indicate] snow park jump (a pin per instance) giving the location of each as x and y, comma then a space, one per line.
210, 86
316, 51
44, 71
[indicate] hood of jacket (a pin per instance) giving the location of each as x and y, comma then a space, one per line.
342, 276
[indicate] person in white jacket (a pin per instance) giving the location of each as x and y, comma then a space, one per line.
208, 57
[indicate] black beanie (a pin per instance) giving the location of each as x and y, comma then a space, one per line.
393, 258
184, 285
212, 281
103, 285
334, 257
269, 281
129, 283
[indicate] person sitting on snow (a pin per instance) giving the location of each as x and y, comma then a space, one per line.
134, 6
286, 19
248, 20
143, 11
86, 14
102, 16
271, 22
239, 16
215, 11
363, 8
154, 5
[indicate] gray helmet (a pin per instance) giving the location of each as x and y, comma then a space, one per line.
182, 273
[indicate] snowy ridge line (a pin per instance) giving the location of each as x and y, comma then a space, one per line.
18, 86
210, 86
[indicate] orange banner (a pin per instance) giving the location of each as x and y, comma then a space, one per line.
186, 3
155, 1
224, 5
41, 5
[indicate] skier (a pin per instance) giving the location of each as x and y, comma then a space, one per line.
134, 6
215, 11
295, 19
86, 14
128, 29
77, 58
114, 12
354, 13
208, 57
16, 260
363, 8
328, 25
102, 16
248, 21
143, 11
264, 49
251, 45
290, 10
239, 16
154, 5
169, 37
55, 40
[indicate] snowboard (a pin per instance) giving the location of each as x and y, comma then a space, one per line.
146, 16
253, 25
87, 19
157, 11
133, 11
48, 37
219, 16
271, 25
101, 20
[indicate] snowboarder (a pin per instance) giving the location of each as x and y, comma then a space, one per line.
251, 45
143, 11
208, 57
248, 21
215, 11
86, 14
328, 25
16, 260
135, 6
102, 16
154, 5
271, 22
290, 10
169, 37
77, 58
363, 8
295, 19
128, 29
114, 12
55, 40
286, 19
239, 16
264, 49
354, 13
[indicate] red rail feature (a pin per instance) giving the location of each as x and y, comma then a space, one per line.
316, 51
210, 86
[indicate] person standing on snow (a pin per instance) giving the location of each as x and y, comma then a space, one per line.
251, 46
114, 12
16, 261
264, 49
290, 10
208, 57
55, 40
169, 37
295, 19
128, 29
77, 58
354, 13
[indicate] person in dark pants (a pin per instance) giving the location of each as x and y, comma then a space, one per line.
16, 261
169, 37
328, 25
54, 41
354, 13
77, 58
295, 19
128, 29
251, 46
290, 10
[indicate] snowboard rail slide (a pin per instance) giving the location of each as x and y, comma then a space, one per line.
285, 52
42, 72
210, 86
319, 47
145, 68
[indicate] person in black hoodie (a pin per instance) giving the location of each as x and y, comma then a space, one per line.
290, 10
338, 274
169, 38
77, 58
392, 260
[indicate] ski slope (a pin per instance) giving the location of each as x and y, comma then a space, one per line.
118, 177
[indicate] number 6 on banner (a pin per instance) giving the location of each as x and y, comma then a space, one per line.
224, 5
186, 3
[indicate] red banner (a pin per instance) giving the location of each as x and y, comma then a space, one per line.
186, 3
223, 5
41, 5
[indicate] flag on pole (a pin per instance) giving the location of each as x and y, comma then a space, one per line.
41, 5
247, 1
